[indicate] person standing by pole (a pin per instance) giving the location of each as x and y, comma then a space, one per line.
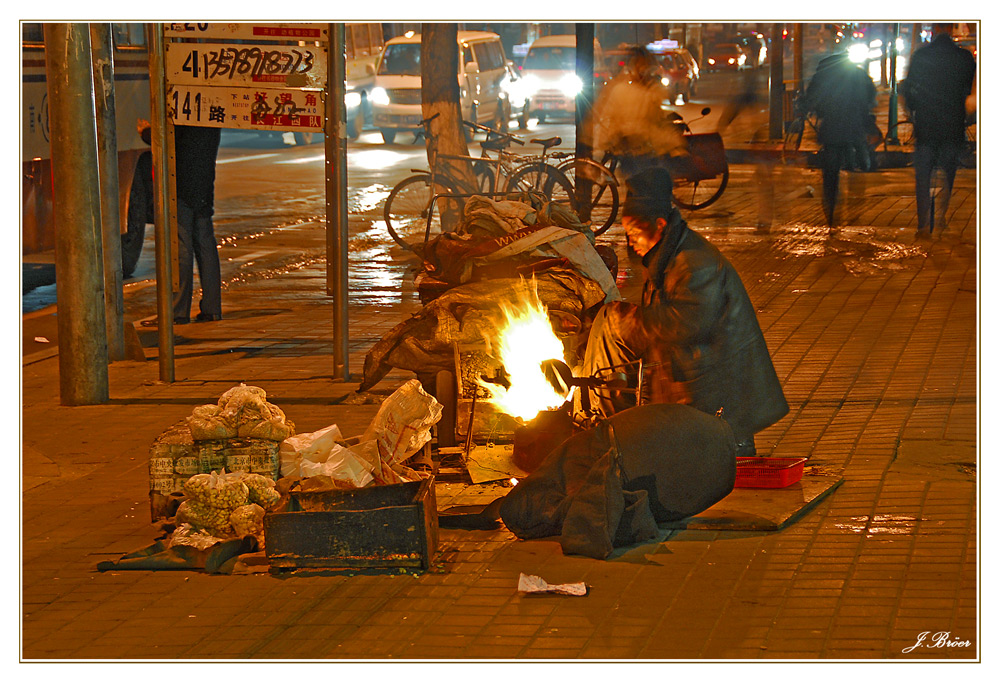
197, 149
940, 79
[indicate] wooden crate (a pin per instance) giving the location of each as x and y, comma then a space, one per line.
384, 526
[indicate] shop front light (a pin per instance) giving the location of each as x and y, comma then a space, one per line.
570, 85
858, 53
380, 96
711, 60
732, 60
665, 80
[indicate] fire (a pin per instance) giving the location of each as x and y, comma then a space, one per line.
526, 340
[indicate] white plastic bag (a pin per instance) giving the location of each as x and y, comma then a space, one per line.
315, 447
403, 423
341, 464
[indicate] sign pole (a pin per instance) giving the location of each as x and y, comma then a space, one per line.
336, 198
164, 247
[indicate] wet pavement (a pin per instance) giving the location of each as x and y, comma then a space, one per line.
873, 336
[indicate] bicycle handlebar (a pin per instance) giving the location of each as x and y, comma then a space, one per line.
491, 131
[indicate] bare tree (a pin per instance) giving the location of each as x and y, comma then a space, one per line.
441, 95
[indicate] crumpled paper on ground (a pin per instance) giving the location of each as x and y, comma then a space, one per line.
532, 584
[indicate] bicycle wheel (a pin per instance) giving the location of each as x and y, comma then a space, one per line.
604, 198
899, 137
407, 209
697, 194
549, 180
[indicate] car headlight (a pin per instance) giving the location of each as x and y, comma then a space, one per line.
711, 60
665, 80
732, 60
380, 96
352, 99
570, 85
529, 85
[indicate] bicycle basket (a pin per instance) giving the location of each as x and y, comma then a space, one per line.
706, 158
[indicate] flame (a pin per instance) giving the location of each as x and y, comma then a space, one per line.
525, 341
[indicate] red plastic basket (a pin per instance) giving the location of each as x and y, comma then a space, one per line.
768, 472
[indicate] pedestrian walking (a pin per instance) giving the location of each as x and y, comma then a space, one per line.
843, 96
196, 151
695, 329
940, 80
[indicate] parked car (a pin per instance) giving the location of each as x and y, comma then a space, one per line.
725, 57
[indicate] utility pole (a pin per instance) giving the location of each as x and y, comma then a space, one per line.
584, 104
336, 197
776, 84
83, 345
107, 153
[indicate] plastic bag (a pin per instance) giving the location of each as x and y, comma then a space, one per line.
261, 491
315, 446
188, 535
403, 423
341, 464
247, 520
200, 515
223, 491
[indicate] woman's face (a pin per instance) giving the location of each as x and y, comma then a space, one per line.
642, 234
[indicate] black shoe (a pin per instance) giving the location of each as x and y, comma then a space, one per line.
182, 320
205, 317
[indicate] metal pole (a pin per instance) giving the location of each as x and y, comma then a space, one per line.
83, 346
584, 103
164, 248
798, 52
893, 92
107, 151
776, 84
336, 197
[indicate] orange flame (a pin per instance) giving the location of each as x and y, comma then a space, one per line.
525, 341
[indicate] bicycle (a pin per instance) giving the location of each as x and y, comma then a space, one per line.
601, 201
409, 210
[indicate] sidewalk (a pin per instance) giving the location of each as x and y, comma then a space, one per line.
873, 336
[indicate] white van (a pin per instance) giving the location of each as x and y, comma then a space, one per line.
548, 76
395, 99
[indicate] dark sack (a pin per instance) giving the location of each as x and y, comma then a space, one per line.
608, 487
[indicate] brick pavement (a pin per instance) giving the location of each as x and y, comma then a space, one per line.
873, 336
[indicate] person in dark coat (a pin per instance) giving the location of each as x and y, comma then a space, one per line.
940, 79
695, 330
196, 151
843, 96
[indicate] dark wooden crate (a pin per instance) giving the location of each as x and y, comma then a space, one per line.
383, 526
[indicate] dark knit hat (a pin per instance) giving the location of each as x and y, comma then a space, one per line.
648, 193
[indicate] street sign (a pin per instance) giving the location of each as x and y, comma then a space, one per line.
246, 108
248, 31
243, 65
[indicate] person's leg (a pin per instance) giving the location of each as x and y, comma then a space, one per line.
947, 161
616, 338
923, 166
185, 263
206, 252
830, 160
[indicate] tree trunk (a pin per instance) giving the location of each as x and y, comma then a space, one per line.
441, 95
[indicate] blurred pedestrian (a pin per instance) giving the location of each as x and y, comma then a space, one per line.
935, 91
196, 151
632, 119
695, 330
843, 96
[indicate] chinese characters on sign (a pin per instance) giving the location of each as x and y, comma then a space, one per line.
247, 108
